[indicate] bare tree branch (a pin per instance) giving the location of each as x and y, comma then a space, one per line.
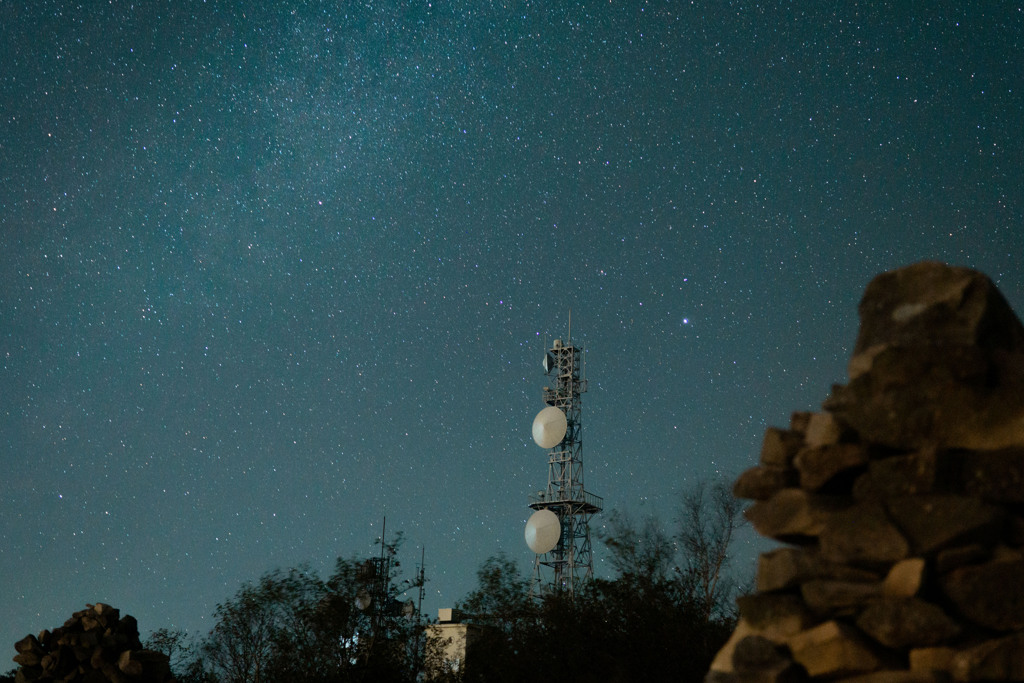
709, 520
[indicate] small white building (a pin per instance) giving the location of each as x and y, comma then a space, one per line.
448, 642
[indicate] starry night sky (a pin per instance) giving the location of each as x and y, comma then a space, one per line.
272, 272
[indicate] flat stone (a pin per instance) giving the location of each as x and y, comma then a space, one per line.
28, 644
904, 578
862, 535
779, 446
829, 597
924, 471
961, 555
759, 660
989, 595
1013, 533
751, 657
996, 476
774, 616
1004, 553
791, 514
780, 569
936, 659
762, 482
27, 659
932, 522
757, 652
786, 568
899, 676
936, 396
798, 422
722, 662
823, 429
818, 465
833, 649
900, 623
941, 398
1001, 659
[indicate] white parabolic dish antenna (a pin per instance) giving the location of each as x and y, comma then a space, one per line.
542, 531
549, 427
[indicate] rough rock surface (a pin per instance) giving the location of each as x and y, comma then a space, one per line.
937, 361
901, 504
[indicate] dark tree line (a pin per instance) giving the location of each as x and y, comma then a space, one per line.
292, 625
663, 616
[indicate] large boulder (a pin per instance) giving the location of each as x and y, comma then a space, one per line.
939, 359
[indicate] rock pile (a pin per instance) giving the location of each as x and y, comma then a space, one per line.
95, 645
901, 504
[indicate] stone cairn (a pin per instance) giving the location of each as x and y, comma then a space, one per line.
95, 645
901, 504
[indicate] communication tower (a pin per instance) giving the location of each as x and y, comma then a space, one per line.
376, 597
559, 529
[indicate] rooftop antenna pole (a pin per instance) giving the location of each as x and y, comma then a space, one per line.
381, 583
422, 579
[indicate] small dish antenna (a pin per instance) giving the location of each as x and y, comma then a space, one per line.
549, 363
543, 531
363, 600
549, 427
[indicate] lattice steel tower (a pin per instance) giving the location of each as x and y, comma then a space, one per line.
564, 558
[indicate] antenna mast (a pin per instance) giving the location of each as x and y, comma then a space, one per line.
563, 548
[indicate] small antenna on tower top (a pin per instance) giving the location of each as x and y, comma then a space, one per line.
568, 335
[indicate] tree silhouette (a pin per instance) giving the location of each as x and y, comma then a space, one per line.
663, 617
711, 516
293, 626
